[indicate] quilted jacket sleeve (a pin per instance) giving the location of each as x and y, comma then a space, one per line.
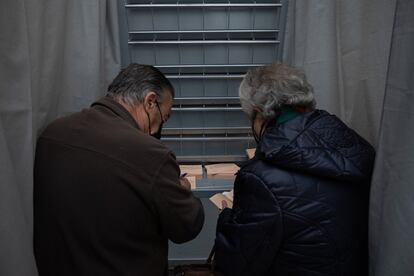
248, 236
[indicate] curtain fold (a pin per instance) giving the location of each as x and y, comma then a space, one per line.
343, 46
392, 189
56, 57
16, 147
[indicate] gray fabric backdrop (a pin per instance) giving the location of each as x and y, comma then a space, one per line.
392, 193
56, 57
343, 47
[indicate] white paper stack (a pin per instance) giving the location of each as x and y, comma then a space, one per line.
222, 171
225, 196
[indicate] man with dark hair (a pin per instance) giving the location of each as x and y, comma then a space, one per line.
107, 194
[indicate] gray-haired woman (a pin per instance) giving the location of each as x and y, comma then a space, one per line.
301, 204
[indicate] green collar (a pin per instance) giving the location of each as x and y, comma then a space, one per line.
287, 114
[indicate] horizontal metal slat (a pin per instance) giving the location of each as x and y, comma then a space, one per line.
211, 158
206, 109
206, 76
205, 139
223, 41
206, 100
209, 65
204, 31
206, 130
203, 5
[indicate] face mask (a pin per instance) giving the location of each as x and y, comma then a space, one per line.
255, 135
258, 137
158, 133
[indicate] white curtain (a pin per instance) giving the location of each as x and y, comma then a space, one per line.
392, 193
343, 46
56, 57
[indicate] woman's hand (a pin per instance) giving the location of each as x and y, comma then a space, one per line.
223, 205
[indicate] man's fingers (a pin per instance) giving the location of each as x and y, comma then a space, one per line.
185, 183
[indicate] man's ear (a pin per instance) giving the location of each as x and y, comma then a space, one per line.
150, 100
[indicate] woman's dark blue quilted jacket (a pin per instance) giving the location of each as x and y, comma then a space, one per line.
301, 204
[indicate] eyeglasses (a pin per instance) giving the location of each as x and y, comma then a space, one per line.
159, 110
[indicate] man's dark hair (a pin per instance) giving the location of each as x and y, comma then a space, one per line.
135, 81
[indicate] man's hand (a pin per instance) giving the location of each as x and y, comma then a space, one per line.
185, 183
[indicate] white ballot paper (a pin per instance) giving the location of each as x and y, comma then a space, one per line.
226, 196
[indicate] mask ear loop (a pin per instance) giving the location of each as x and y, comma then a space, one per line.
159, 110
255, 136
158, 133
149, 123
262, 129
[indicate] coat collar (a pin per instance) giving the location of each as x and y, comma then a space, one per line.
317, 143
116, 108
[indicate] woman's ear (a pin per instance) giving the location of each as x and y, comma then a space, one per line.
257, 112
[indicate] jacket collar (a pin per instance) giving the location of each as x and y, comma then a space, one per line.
116, 108
317, 143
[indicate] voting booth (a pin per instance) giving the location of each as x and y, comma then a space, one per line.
205, 49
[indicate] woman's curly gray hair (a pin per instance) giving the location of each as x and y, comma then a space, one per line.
269, 88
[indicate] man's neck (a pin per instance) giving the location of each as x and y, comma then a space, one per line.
138, 114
